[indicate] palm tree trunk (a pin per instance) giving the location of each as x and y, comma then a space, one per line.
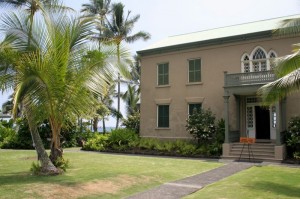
56, 149
47, 167
118, 117
95, 124
104, 128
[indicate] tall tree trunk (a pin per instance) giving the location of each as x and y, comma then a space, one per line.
47, 166
95, 124
104, 128
56, 149
119, 79
118, 117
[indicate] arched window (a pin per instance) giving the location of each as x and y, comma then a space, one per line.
272, 56
259, 60
245, 64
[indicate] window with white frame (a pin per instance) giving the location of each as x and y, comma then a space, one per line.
246, 64
163, 74
194, 70
259, 60
194, 108
163, 116
272, 56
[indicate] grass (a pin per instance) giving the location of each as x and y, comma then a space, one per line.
92, 175
267, 182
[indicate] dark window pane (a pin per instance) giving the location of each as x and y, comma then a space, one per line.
194, 107
163, 116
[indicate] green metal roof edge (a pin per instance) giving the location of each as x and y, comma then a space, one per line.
205, 43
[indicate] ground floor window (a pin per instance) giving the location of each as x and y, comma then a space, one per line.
163, 116
195, 107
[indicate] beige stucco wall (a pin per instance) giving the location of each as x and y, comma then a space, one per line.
215, 60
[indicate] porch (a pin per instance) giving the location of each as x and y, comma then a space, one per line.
252, 120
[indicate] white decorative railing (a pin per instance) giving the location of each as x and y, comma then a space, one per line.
240, 79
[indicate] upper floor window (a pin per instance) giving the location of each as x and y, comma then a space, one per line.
163, 74
272, 56
194, 70
246, 64
259, 60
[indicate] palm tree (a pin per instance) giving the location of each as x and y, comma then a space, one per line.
99, 10
287, 68
57, 79
107, 101
32, 7
131, 97
119, 27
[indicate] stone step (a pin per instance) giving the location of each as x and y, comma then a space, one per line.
268, 159
255, 153
262, 155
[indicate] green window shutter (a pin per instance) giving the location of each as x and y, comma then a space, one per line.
163, 116
195, 70
163, 74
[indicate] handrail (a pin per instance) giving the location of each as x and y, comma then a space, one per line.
239, 79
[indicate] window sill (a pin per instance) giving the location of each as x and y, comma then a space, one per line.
163, 86
193, 83
162, 128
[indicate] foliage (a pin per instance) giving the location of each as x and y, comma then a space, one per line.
133, 122
15, 138
292, 136
287, 68
201, 124
119, 139
62, 163
97, 142
35, 168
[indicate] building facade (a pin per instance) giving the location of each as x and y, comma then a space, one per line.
219, 69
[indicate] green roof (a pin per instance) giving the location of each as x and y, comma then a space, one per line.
259, 29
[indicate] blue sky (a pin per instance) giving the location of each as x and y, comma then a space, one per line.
163, 18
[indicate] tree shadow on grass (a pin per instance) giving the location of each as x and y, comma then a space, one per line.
280, 189
28, 178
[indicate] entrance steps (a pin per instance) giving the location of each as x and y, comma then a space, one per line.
256, 152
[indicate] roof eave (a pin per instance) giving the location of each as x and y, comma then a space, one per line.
199, 44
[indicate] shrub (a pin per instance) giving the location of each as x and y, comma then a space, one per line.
120, 139
96, 143
292, 136
201, 124
62, 163
35, 168
147, 143
133, 122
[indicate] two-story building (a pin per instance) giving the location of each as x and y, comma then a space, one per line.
220, 69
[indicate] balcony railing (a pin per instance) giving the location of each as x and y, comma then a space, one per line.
240, 79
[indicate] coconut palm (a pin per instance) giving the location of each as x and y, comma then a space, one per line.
32, 7
56, 79
131, 98
287, 68
107, 101
119, 28
98, 9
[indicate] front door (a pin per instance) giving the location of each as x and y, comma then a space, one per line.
262, 120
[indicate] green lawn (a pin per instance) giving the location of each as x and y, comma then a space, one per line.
267, 182
92, 175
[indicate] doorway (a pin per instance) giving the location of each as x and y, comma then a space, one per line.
262, 121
